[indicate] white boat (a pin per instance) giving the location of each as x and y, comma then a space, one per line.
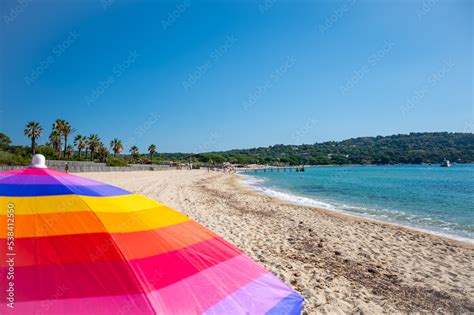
445, 163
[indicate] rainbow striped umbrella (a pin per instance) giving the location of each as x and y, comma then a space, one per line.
71, 245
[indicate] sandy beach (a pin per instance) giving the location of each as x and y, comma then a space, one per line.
339, 263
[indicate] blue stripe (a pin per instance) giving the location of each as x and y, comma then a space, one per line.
291, 305
56, 190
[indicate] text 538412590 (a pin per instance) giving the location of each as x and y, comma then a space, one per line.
10, 256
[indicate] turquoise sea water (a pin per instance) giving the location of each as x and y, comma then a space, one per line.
428, 197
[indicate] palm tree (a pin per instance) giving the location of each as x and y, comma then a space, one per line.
33, 130
152, 151
55, 139
94, 144
56, 132
86, 144
116, 146
69, 151
134, 151
80, 142
102, 153
66, 130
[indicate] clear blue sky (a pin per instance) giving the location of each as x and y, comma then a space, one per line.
212, 75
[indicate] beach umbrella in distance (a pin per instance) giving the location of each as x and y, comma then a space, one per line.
71, 245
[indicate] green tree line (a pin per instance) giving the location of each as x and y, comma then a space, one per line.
61, 145
413, 148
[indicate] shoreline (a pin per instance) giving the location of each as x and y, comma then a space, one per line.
269, 167
338, 263
347, 213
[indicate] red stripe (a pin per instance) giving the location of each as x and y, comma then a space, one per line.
96, 247
117, 277
169, 268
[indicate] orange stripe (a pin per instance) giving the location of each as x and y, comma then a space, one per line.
102, 247
144, 244
53, 224
86, 222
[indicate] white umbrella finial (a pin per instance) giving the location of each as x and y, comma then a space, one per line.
38, 161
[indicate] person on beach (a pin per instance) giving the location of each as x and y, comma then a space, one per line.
66, 168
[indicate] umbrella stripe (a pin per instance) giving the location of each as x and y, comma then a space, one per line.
46, 180
290, 305
74, 203
163, 270
201, 291
107, 247
119, 277
189, 296
33, 171
51, 224
257, 297
103, 305
19, 190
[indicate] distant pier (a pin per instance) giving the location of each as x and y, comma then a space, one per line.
279, 169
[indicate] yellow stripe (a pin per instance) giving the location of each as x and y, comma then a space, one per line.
68, 223
149, 219
75, 203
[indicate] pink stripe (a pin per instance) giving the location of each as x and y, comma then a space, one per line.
118, 277
197, 293
47, 180
192, 295
36, 171
257, 297
107, 305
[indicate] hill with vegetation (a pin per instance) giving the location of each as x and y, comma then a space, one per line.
413, 148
